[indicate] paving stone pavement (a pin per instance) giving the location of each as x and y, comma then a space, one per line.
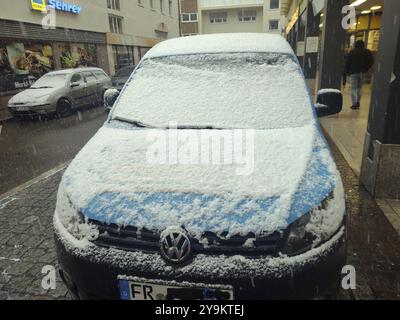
26, 242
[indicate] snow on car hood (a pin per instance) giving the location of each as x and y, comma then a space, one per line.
31, 95
111, 180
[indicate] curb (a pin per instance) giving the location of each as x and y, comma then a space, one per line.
32, 182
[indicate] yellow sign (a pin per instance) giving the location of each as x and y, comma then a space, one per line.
39, 5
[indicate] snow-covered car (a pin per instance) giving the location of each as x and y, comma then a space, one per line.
149, 210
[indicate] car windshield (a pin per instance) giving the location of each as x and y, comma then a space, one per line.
51, 81
235, 90
125, 72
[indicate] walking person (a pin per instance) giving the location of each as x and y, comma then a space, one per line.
358, 62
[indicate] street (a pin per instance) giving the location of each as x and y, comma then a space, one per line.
31, 147
26, 232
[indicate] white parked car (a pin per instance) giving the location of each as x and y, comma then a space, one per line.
149, 210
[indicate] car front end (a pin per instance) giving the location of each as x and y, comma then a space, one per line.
131, 245
119, 262
19, 105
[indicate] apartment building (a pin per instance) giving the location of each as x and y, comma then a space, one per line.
220, 16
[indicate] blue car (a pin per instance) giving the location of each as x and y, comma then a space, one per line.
210, 180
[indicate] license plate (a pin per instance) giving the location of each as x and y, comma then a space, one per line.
22, 108
141, 289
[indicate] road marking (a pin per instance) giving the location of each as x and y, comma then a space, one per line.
6, 196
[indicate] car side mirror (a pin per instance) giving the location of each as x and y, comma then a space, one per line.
329, 102
110, 96
75, 84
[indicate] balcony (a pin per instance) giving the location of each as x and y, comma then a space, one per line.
222, 4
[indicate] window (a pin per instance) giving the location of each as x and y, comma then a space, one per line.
123, 56
115, 24
273, 24
76, 78
189, 17
100, 75
162, 6
218, 17
113, 4
89, 76
247, 15
274, 4
170, 8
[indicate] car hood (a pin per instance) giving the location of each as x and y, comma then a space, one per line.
31, 95
112, 180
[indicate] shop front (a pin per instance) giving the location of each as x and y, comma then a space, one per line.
28, 51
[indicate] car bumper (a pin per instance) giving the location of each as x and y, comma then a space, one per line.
92, 272
27, 110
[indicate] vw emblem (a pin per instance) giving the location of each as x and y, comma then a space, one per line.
175, 246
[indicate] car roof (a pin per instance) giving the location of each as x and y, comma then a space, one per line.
69, 71
220, 43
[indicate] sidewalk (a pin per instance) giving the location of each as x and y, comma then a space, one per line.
347, 131
26, 241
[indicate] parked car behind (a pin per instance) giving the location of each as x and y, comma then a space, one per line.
122, 76
60, 92
145, 212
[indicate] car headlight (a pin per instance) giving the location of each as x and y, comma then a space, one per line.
41, 100
72, 220
318, 226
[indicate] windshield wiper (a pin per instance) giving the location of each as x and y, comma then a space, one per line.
133, 122
191, 127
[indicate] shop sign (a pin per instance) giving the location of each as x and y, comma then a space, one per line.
312, 45
41, 5
300, 48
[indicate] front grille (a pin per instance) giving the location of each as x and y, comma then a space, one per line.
131, 238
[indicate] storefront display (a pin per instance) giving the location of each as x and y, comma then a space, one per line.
78, 55
21, 64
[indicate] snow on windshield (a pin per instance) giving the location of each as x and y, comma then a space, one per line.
236, 90
51, 81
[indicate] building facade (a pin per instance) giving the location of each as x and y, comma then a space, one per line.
105, 33
221, 16
38, 36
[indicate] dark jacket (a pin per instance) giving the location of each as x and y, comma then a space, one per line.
359, 60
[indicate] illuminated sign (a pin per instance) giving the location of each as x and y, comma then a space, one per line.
40, 5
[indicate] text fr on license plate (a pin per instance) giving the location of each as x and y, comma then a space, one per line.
133, 288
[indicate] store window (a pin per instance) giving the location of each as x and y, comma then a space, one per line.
22, 63
115, 24
218, 17
274, 4
189, 17
123, 56
247, 15
77, 55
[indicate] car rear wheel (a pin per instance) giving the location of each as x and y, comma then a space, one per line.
64, 108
